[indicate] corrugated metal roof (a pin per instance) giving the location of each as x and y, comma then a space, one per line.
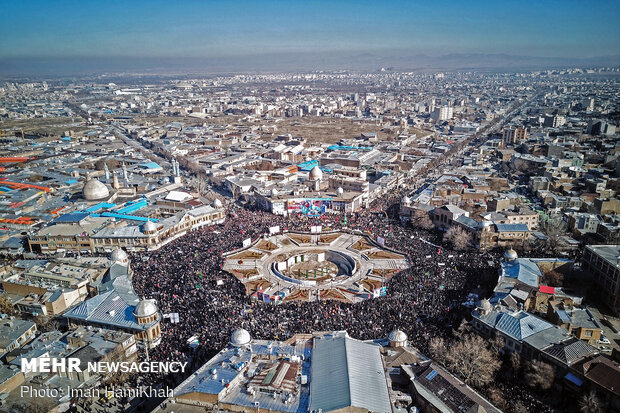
512, 227
571, 350
521, 325
107, 308
523, 269
346, 372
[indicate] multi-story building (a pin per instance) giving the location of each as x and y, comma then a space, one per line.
602, 263
83, 232
445, 215
579, 321
442, 113
514, 136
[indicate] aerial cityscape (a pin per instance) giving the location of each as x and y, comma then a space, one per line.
310, 207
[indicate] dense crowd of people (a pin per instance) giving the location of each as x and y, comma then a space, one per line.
186, 277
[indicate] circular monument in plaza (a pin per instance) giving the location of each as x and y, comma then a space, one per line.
312, 266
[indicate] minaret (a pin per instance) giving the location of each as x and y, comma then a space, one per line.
115, 183
176, 172
125, 177
107, 171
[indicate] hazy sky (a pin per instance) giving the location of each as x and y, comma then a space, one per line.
555, 28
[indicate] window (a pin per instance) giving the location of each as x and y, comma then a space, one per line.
588, 333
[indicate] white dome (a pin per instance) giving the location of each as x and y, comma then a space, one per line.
511, 255
316, 173
340, 191
274, 192
397, 336
485, 305
94, 190
145, 308
149, 226
216, 203
118, 255
406, 200
240, 337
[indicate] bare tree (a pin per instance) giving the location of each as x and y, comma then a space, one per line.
539, 375
472, 360
463, 329
458, 237
496, 397
497, 343
519, 407
554, 278
46, 323
437, 348
5, 306
590, 403
515, 364
554, 229
421, 219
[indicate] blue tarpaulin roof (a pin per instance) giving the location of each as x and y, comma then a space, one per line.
150, 165
573, 379
101, 205
349, 148
308, 165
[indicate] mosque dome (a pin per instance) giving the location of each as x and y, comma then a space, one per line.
118, 255
240, 337
510, 255
340, 191
406, 200
397, 336
216, 203
149, 227
316, 173
274, 192
485, 305
94, 190
145, 308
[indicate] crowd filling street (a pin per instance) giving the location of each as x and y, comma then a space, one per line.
425, 300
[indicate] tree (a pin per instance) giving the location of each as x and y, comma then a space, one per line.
496, 397
515, 363
5, 306
519, 407
472, 360
421, 219
437, 348
590, 403
539, 375
458, 237
555, 230
554, 278
463, 329
497, 343
46, 323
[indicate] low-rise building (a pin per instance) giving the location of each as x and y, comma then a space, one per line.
14, 333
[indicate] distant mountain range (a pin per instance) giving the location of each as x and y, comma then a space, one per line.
395, 60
